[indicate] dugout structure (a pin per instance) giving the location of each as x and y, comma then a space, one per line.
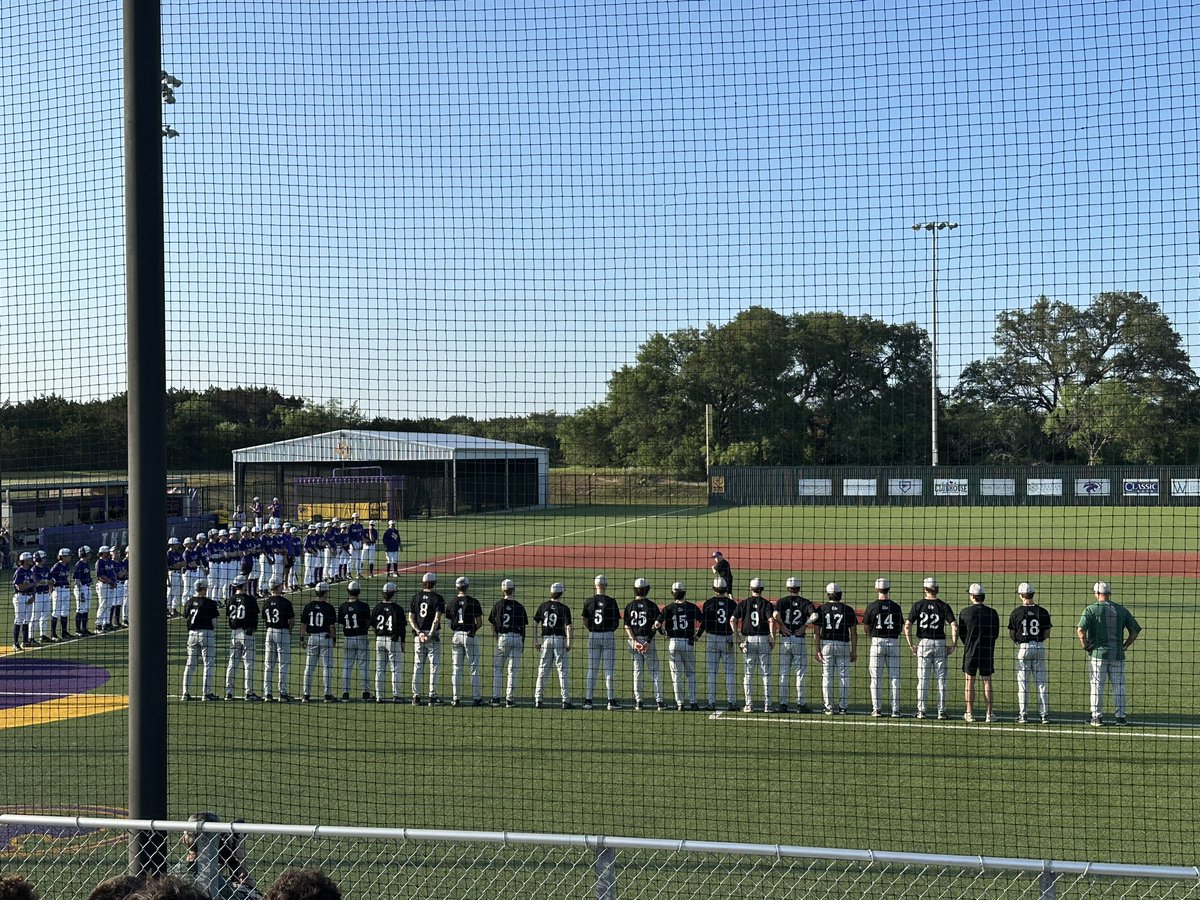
391, 474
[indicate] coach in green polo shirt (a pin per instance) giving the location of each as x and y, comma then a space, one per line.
1106, 630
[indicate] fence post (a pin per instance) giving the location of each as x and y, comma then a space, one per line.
1048, 886
605, 868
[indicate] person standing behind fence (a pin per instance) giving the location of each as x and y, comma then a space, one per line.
82, 576
425, 612
721, 568
303, 884
41, 599
682, 622
465, 616
24, 584
120, 605
174, 577
278, 616
355, 618
509, 620
391, 548
756, 626
106, 583
555, 618
641, 624
200, 614
836, 642
256, 510
720, 611
601, 618
388, 620
793, 615
1029, 627
1106, 630
929, 617
370, 539
317, 626
312, 556
60, 594
241, 614
883, 621
979, 627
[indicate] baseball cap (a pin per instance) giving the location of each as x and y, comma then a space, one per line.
793, 582
189, 542
391, 521
85, 550
462, 582
64, 552
720, 584
239, 580
389, 588
930, 583
353, 587
882, 584
103, 549
429, 578
976, 589
200, 584
173, 542
1025, 588
641, 583
27, 556
276, 581
41, 554
507, 585
833, 588
600, 580
679, 587
716, 554
1102, 587
322, 587
757, 584
558, 588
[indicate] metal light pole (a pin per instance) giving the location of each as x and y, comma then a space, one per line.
933, 228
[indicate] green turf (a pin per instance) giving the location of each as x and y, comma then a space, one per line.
1064, 791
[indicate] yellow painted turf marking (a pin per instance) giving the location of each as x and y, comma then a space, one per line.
73, 707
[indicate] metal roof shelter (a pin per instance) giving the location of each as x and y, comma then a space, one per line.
442, 473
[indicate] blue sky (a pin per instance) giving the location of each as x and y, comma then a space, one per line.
483, 207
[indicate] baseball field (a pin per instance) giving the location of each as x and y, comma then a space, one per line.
1062, 790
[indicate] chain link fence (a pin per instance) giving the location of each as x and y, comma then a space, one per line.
67, 857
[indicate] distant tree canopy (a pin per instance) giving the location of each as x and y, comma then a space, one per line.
1109, 383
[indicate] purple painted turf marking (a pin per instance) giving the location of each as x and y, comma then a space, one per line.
26, 681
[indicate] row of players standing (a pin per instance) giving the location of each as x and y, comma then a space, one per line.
42, 595
753, 624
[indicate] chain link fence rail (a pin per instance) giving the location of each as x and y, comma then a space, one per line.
65, 857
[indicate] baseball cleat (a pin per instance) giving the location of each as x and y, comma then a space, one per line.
187, 698
967, 717
306, 699
510, 703
828, 711
367, 695
229, 695
537, 704
694, 706
1097, 721
783, 707
1045, 720
329, 698
875, 714
587, 704
345, 698
495, 701
804, 708
896, 714
843, 711
1021, 719
268, 699
417, 701
435, 700
1121, 720
747, 708
211, 697
659, 705
613, 704
454, 701
920, 713
397, 699
942, 716
567, 704
285, 697
252, 696
711, 707
731, 706
989, 719
478, 701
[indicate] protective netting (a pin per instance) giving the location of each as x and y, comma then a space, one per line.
537, 292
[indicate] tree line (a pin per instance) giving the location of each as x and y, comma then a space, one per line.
1106, 383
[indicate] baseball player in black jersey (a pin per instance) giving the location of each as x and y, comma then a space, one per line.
641, 623
425, 611
837, 647
388, 620
756, 624
555, 618
928, 618
721, 569
979, 626
1029, 627
317, 624
682, 622
355, 618
720, 610
465, 616
241, 613
199, 614
509, 621
601, 618
883, 621
793, 615
278, 616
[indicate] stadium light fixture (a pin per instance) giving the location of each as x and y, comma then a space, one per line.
933, 228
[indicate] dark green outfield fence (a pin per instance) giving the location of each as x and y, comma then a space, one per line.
957, 486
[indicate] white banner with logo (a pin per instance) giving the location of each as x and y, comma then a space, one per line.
859, 487
816, 487
1093, 487
1185, 487
950, 487
1139, 487
905, 487
997, 487
1044, 487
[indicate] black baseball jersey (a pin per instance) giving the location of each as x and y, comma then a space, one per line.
200, 613
680, 618
242, 612
793, 612
508, 616
424, 608
554, 616
601, 613
978, 628
318, 617
835, 621
754, 613
355, 618
641, 617
930, 617
464, 613
1029, 624
719, 613
278, 612
884, 619
721, 569
388, 620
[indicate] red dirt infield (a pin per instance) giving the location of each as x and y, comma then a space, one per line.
754, 558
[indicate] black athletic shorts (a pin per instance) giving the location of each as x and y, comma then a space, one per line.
980, 664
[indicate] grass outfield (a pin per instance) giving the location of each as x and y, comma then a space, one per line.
1064, 790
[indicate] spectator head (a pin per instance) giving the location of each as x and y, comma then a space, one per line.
168, 887
303, 884
115, 888
15, 887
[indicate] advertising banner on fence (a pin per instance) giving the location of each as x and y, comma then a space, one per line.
1093, 487
950, 487
1139, 487
816, 487
1185, 487
859, 487
997, 487
905, 487
1044, 487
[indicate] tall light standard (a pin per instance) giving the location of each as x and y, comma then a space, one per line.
933, 228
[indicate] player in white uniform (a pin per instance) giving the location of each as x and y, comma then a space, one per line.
884, 622
509, 620
793, 615
756, 624
60, 593
1029, 627
82, 576
174, 577
554, 617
